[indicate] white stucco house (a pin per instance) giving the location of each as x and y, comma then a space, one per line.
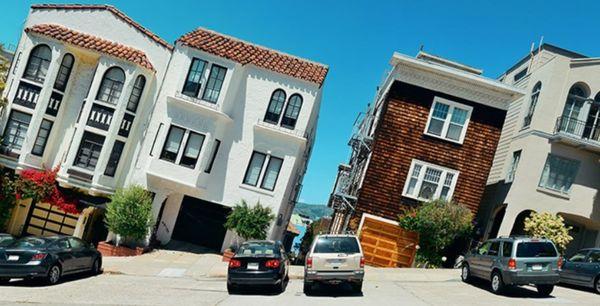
201, 124
548, 158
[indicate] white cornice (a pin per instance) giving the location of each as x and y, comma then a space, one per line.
454, 82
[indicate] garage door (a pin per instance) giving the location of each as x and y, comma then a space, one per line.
201, 222
46, 220
385, 244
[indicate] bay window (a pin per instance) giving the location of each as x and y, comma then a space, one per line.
16, 130
89, 151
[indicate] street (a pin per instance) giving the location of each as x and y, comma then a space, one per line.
115, 289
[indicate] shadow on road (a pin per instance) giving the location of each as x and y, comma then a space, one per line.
579, 288
258, 290
342, 290
512, 291
19, 282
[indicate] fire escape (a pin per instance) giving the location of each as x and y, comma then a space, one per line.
344, 196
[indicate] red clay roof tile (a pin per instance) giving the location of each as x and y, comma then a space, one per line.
248, 53
91, 42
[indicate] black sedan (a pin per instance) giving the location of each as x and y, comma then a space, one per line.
48, 258
583, 269
258, 263
5, 240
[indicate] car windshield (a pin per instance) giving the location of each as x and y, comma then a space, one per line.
258, 249
347, 245
536, 249
28, 243
5, 240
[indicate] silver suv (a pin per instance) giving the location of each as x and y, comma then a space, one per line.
334, 259
509, 261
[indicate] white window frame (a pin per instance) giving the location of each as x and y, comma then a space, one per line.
424, 166
263, 171
514, 164
452, 105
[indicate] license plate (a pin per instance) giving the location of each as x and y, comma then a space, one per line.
252, 266
536, 267
13, 258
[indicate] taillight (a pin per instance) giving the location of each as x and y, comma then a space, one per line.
560, 263
512, 264
272, 264
362, 262
234, 263
309, 262
38, 257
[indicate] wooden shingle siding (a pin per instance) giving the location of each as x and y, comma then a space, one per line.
399, 138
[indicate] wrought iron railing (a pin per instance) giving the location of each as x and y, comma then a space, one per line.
295, 132
577, 128
187, 98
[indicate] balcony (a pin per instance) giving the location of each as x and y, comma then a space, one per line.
100, 117
27, 95
277, 130
194, 104
577, 133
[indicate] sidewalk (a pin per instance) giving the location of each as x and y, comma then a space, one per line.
165, 263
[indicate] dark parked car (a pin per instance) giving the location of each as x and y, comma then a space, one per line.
583, 269
5, 239
258, 263
48, 258
514, 261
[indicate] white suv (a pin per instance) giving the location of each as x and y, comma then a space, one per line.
334, 259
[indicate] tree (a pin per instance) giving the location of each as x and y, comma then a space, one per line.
7, 199
4, 66
318, 226
250, 222
549, 226
439, 224
129, 214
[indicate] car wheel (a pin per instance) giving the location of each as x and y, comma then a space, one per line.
545, 290
54, 274
357, 287
280, 288
597, 284
465, 273
95, 270
308, 288
497, 284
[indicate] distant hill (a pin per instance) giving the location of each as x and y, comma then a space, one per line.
314, 212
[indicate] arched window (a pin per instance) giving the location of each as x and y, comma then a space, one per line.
64, 72
292, 111
569, 121
111, 86
275, 106
136, 93
535, 95
37, 65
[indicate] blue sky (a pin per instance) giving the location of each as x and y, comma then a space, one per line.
357, 38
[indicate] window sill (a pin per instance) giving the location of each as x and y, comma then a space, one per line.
553, 193
445, 139
258, 190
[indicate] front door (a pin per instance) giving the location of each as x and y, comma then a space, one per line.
487, 260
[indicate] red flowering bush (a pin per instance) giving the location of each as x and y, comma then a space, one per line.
40, 185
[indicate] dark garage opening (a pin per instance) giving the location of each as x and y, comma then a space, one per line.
202, 223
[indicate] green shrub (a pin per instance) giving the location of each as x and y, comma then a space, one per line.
250, 222
7, 199
549, 226
439, 223
129, 214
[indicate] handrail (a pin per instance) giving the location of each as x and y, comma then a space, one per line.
578, 128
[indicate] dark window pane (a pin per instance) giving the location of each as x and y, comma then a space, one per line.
275, 106
64, 72
215, 82
172, 144
115, 156
347, 245
270, 178
15, 131
292, 111
42, 138
213, 156
136, 93
111, 86
192, 84
38, 63
536, 249
192, 150
254, 168
89, 151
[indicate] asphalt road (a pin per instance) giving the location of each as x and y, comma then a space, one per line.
110, 289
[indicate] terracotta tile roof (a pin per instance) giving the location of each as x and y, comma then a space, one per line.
111, 9
91, 42
248, 53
